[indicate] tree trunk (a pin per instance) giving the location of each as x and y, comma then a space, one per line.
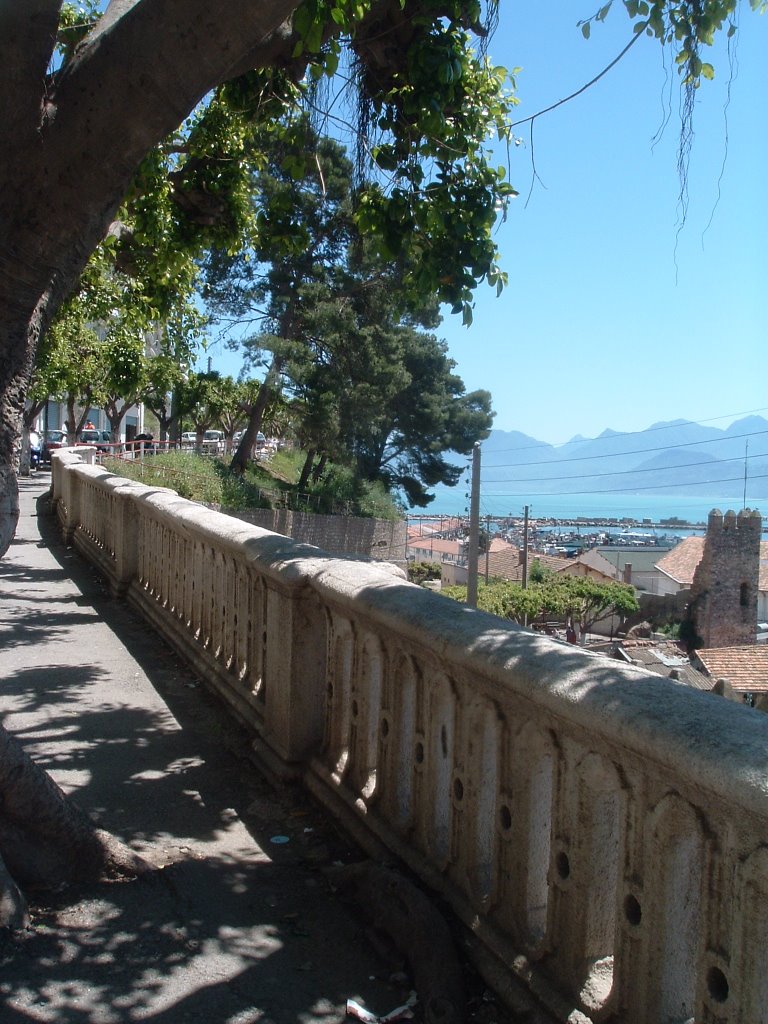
116, 415
317, 472
9, 503
164, 423
306, 470
17, 342
45, 839
24, 453
74, 140
240, 459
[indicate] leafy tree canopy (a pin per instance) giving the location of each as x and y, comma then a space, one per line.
368, 386
556, 595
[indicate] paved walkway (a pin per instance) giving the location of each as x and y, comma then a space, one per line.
236, 929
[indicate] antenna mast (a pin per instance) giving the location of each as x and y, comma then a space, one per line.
746, 450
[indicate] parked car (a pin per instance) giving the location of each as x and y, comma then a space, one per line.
188, 439
213, 441
144, 442
53, 439
100, 439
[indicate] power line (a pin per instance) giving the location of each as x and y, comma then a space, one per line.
618, 472
617, 490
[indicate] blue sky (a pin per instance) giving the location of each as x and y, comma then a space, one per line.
612, 318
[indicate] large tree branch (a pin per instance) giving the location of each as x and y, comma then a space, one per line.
130, 83
27, 39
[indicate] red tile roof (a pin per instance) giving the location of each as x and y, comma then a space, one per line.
593, 560
680, 563
745, 668
508, 564
426, 546
499, 544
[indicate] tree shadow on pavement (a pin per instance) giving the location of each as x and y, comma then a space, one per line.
231, 928
203, 941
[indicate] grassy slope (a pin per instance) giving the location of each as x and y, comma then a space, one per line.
265, 485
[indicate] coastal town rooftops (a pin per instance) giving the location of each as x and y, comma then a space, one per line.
438, 546
499, 544
680, 563
745, 668
508, 564
664, 657
435, 548
592, 559
642, 559
438, 525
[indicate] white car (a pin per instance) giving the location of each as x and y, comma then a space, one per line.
213, 441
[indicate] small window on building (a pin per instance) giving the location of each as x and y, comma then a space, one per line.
744, 599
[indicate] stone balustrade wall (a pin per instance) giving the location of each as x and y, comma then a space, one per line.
601, 832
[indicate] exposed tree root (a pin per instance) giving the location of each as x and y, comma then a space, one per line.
14, 913
45, 839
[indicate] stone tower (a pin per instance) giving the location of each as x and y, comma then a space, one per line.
725, 585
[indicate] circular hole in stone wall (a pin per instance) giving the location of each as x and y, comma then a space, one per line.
354, 709
419, 753
717, 984
563, 865
458, 789
632, 910
505, 818
384, 727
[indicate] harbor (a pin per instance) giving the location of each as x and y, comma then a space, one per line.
566, 538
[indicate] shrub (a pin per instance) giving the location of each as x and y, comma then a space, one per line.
418, 572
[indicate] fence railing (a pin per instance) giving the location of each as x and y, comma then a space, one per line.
601, 832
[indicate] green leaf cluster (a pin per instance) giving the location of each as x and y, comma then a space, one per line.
684, 26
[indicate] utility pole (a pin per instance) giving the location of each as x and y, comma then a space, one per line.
746, 453
474, 528
525, 547
487, 545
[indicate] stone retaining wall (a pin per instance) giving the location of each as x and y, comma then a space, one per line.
383, 540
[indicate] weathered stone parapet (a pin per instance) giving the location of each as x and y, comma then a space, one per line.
601, 831
745, 519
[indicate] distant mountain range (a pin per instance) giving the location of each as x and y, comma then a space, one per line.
678, 457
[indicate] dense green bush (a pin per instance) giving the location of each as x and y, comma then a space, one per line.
418, 572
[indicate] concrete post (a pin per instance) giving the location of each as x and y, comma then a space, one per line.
294, 679
126, 534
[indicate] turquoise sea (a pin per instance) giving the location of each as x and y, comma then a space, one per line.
653, 507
